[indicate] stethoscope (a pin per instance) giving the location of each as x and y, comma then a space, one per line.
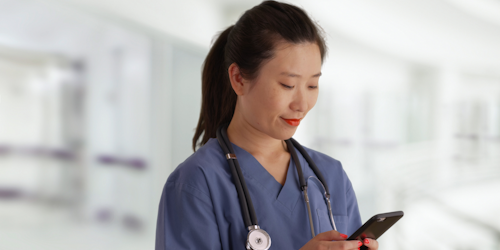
257, 238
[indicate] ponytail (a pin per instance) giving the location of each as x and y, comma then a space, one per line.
218, 98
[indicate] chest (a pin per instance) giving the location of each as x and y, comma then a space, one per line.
281, 211
277, 166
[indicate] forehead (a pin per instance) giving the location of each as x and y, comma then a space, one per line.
302, 59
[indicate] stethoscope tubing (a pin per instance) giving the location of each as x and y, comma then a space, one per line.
245, 200
246, 204
311, 163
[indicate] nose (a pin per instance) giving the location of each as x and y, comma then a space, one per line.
299, 102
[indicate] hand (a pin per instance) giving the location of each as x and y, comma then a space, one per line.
324, 241
371, 244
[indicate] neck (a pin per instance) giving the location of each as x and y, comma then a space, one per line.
257, 143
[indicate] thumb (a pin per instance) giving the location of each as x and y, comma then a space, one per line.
329, 236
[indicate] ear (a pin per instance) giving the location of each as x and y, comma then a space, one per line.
236, 79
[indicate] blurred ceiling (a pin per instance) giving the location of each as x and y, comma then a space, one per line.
489, 10
426, 31
435, 32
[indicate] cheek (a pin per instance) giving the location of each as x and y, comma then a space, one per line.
268, 100
276, 102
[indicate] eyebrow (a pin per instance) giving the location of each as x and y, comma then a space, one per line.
297, 75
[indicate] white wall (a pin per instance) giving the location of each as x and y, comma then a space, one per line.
409, 103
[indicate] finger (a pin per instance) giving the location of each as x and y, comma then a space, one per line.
330, 235
347, 245
371, 244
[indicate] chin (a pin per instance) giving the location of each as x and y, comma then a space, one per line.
285, 134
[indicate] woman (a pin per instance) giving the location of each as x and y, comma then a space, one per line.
261, 78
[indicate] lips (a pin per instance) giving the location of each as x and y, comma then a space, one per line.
293, 122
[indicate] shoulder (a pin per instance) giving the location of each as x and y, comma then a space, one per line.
199, 169
330, 167
324, 161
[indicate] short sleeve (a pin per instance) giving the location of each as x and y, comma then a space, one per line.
186, 219
352, 209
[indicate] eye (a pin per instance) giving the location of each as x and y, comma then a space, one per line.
287, 86
313, 87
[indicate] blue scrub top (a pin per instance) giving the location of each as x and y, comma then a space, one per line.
199, 206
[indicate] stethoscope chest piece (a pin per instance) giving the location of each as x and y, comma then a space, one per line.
258, 239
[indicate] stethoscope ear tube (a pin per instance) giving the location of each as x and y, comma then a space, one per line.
303, 184
312, 165
247, 209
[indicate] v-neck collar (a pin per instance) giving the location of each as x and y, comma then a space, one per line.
287, 195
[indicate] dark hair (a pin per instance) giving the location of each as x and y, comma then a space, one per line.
248, 43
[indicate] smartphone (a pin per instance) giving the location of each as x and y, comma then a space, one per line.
376, 226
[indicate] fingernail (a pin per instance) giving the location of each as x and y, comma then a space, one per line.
367, 241
359, 243
343, 236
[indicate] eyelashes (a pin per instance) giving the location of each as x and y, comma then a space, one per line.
291, 87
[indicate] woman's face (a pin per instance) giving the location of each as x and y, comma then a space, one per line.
284, 91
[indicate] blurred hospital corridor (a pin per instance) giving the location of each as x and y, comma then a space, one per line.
99, 100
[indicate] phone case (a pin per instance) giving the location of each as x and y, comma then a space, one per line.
376, 226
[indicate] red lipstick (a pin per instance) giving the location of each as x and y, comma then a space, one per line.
293, 122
